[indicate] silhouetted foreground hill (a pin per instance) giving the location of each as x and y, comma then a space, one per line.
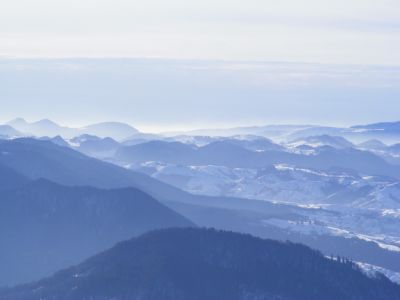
46, 226
203, 264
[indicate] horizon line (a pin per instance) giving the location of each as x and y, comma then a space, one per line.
181, 129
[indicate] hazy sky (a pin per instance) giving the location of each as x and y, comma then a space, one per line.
326, 31
200, 63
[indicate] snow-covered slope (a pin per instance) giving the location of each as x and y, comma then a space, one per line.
281, 183
335, 203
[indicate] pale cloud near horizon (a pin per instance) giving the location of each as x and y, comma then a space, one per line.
340, 32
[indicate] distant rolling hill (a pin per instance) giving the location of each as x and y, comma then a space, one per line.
203, 264
114, 130
324, 140
95, 146
224, 153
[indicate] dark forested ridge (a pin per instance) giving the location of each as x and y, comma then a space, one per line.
46, 226
201, 264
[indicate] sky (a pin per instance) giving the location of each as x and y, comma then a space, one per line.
166, 65
324, 31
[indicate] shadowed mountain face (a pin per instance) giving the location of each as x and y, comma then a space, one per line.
45, 226
201, 264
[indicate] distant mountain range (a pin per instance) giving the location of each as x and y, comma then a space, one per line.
233, 155
388, 132
201, 264
49, 128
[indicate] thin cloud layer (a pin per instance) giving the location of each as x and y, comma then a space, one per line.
160, 95
361, 32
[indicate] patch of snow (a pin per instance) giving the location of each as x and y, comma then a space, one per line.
371, 271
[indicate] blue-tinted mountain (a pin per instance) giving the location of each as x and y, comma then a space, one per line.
46, 226
37, 159
58, 140
116, 130
204, 264
43, 159
388, 132
251, 142
254, 143
95, 146
19, 124
40, 128
315, 131
198, 140
8, 131
383, 126
49, 128
220, 152
140, 137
